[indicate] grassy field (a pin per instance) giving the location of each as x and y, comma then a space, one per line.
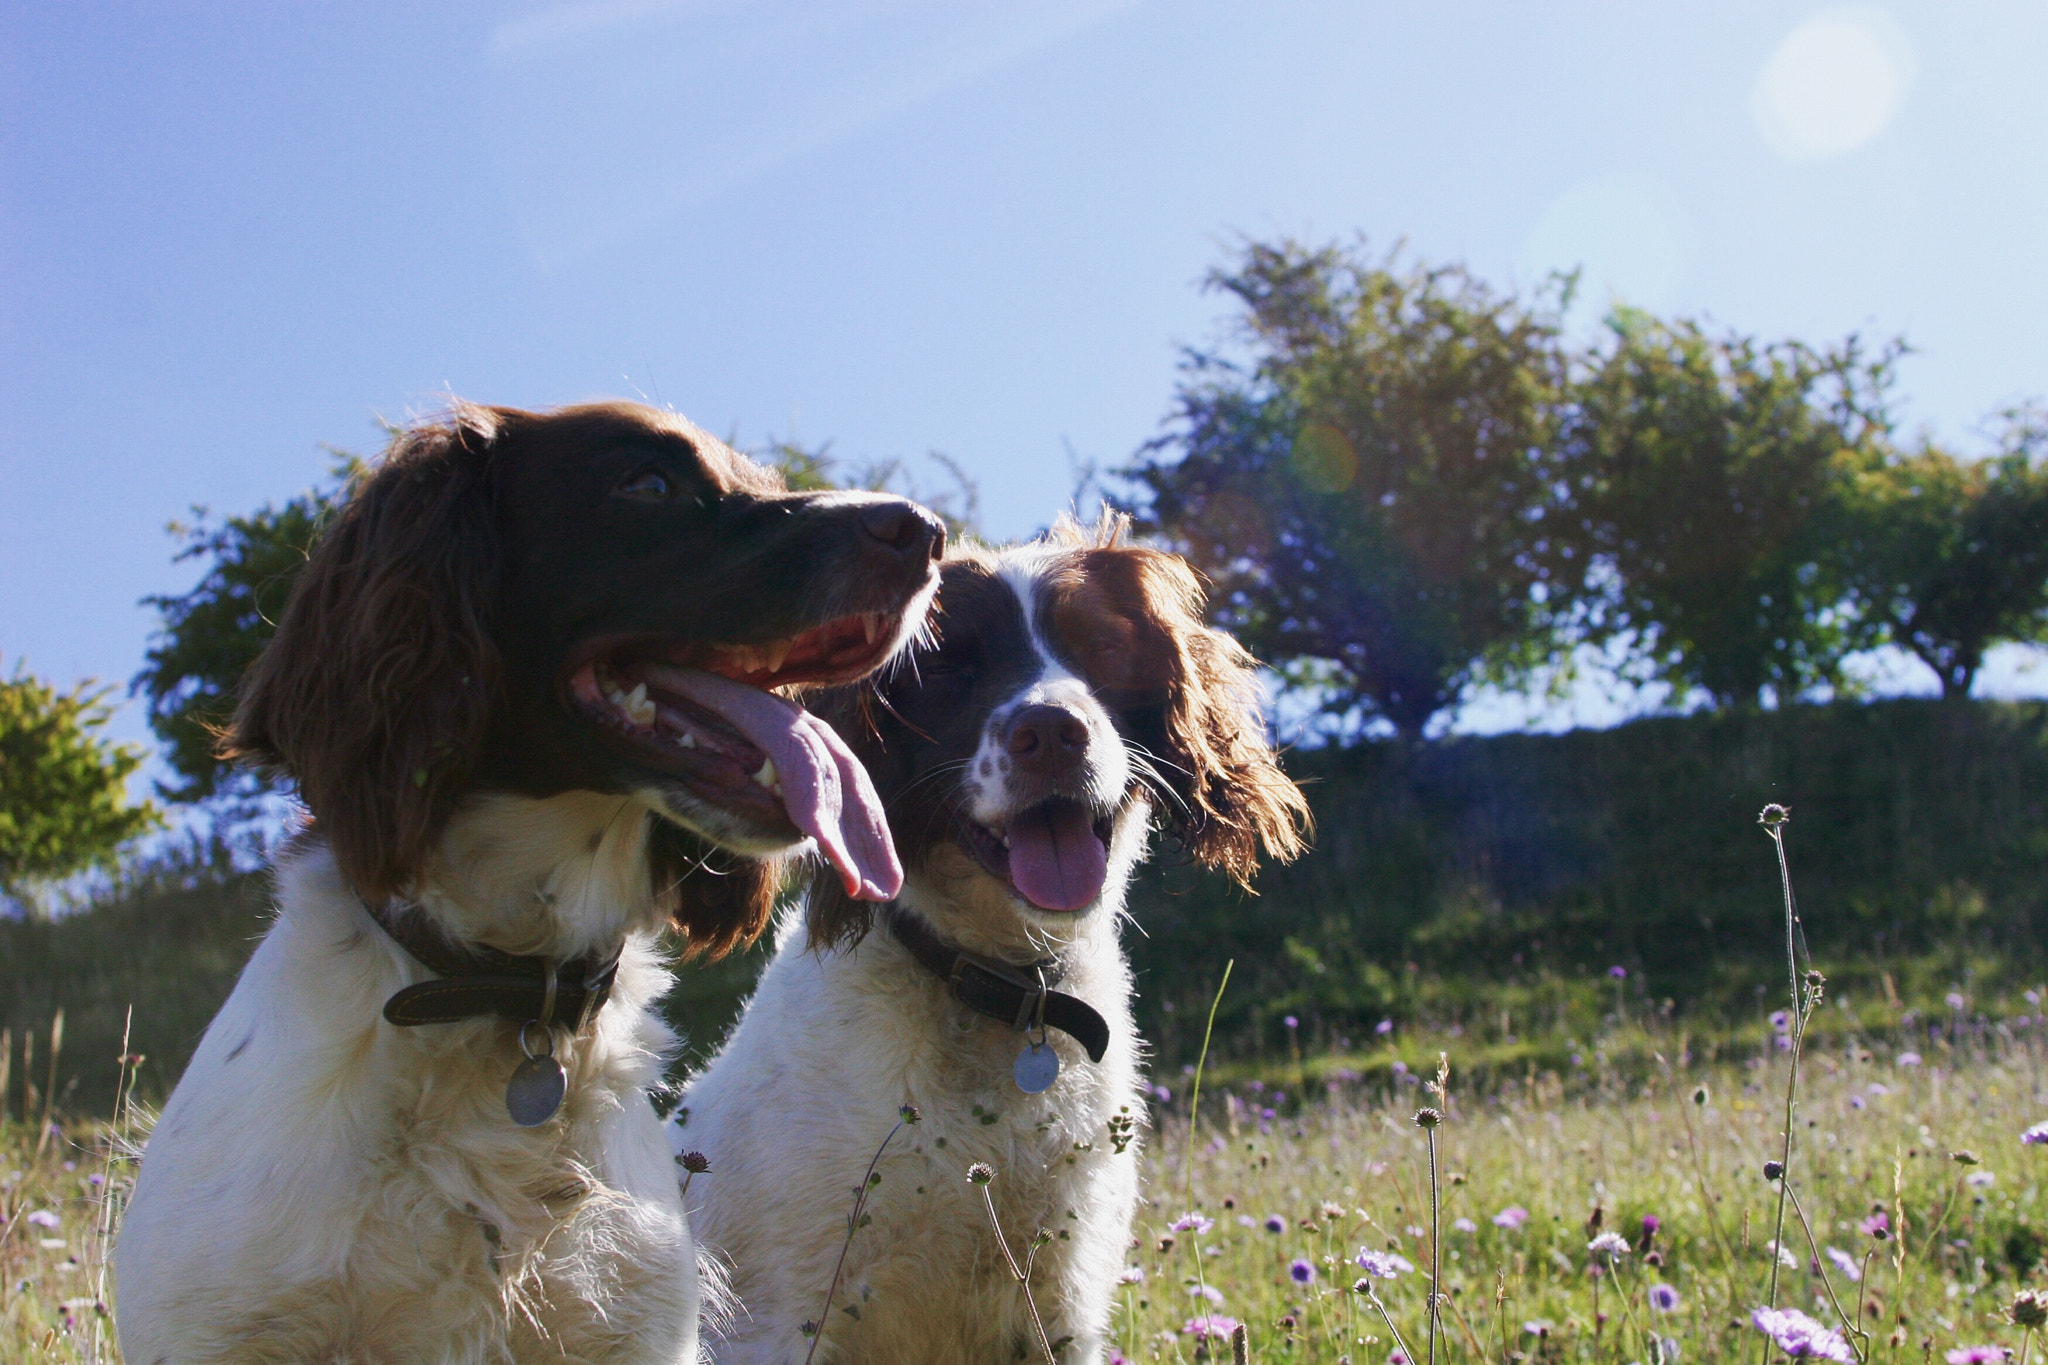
1290, 1187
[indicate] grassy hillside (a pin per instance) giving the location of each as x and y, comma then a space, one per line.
1482, 886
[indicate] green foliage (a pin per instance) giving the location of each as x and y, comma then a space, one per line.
1704, 471
209, 636
1947, 557
1459, 878
1370, 489
63, 786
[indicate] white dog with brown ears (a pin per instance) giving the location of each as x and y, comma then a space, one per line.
1071, 698
522, 687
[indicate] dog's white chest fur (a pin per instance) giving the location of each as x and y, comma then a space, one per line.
325, 1188
794, 1106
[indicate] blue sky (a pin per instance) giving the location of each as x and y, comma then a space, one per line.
232, 235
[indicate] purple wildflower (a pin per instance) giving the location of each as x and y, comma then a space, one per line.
1663, 1297
1511, 1217
1463, 1225
1618, 972
1608, 1246
1275, 1223
1800, 1337
1651, 1222
1132, 1274
2036, 1135
45, 1218
1954, 999
1206, 1291
1781, 1021
1192, 1222
1878, 1225
1855, 1101
1291, 1022
1162, 1094
1301, 1271
1209, 1325
1845, 1263
1907, 1059
1395, 1357
1382, 1265
1976, 1355
1383, 1027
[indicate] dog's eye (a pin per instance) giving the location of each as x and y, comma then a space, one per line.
644, 485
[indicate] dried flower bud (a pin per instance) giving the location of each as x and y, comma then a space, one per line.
980, 1173
1963, 1158
1774, 1170
1361, 1285
1700, 1096
2029, 1308
696, 1163
1426, 1117
1774, 815
911, 1114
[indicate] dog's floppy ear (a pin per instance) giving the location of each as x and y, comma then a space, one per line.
1230, 800
718, 901
375, 694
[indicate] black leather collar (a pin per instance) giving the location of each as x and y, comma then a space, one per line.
1003, 991
475, 981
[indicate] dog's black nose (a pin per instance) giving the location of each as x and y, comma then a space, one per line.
906, 528
1049, 740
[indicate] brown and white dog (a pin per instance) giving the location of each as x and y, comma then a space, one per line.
1071, 697
523, 687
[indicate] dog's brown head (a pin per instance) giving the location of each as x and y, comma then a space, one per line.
1070, 683
593, 599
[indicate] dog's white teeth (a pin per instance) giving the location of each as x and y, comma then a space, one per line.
766, 777
871, 624
637, 707
773, 655
686, 740
1006, 840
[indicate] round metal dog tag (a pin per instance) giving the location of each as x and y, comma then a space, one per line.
535, 1091
1038, 1066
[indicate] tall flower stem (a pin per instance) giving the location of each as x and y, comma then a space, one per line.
1773, 820
868, 1181
1195, 1099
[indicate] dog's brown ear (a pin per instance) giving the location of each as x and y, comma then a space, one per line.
1230, 801
717, 901
375, 694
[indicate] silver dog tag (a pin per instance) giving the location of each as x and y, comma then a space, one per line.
535, 1091
1038, 1066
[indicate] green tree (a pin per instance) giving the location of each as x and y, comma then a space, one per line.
1703, 467
1370, 482
1946, 557
208, 636
63, 786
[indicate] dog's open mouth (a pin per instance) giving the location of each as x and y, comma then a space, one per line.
702, 714
1054, 854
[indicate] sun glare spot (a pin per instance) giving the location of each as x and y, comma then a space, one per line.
1834, 83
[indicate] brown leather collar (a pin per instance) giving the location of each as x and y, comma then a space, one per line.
474, 981
1002, 991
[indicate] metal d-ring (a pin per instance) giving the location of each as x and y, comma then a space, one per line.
1038, 1011
547, 1013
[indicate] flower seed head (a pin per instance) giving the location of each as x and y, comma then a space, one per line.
2029, 1308
1774, 815
1774, 1170
696, 1163
1427, 1117
1700, 1096
1963, 1158
911, 1113
980, 1173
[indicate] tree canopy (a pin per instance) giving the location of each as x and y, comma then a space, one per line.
1946, 557
1368, 479
207, 637
1703, 466
63, 786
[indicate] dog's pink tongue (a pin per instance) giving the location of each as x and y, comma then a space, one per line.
1055, 859
826, 791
